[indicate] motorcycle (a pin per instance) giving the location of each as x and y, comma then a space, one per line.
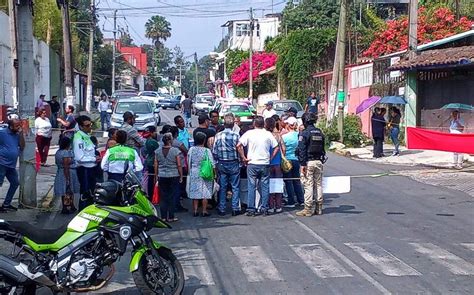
80, 256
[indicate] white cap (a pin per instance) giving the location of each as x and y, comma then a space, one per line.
291, 121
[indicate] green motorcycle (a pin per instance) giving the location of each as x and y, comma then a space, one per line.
79, 256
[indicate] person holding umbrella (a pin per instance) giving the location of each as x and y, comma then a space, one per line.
457, 126
394, 125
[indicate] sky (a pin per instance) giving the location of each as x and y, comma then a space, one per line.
195, 24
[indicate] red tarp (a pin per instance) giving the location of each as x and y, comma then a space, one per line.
422, 139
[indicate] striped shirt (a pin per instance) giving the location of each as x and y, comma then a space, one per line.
225, 145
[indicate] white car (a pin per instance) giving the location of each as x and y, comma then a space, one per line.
152, 96
203, 104
147, 113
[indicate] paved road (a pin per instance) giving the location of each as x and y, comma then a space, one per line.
391, 234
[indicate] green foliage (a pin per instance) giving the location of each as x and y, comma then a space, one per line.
330, 131
352, 131
310, 14
126, 39
47, 12
233, 59
300, 54
158, 29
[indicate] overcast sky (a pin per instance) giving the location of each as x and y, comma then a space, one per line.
195, 24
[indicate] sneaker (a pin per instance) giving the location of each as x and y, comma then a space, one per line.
278, 210
290, 206
9, 207
271, 210
250, 213
395, 154
220, 213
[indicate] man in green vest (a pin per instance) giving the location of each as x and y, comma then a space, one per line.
119, 158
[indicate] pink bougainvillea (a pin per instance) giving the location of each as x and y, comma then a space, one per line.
260, 61
431, 27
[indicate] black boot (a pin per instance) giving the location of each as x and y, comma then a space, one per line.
319, 208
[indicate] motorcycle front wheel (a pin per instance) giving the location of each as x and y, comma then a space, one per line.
165, 278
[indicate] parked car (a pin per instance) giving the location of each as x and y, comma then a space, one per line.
245, 111
282, 106
147, 113
153, 96
203, 104
173, 102
121, 94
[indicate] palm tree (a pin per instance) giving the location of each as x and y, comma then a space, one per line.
157, 29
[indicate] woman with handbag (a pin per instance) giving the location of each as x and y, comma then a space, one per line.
200, 180
276, 175
66, 183
292, 177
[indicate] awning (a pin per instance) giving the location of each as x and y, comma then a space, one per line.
438, 58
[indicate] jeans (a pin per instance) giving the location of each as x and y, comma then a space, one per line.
12, 176
104, 118
229, 173
187, 119
43, 143
254, 173
87, 183
394, 136
167, 187
54, 120
293, 185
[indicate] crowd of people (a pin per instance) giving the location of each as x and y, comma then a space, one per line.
275, 155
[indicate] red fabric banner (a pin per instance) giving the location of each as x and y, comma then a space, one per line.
422, 139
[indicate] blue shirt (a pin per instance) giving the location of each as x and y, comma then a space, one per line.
291, 142
225, 145
312, 104
9, 148
183, 136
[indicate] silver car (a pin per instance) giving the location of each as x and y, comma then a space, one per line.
147, 114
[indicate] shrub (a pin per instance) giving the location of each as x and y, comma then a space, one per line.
352, 131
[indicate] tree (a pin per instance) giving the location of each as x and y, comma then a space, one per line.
310, 14
126, 39
158, 29
432, 25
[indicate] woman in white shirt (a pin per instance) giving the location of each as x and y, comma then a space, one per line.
43, 132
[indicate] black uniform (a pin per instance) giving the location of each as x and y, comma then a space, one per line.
310, 145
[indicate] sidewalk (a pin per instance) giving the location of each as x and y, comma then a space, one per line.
426, 158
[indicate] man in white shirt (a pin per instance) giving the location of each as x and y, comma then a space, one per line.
269, 111
259, 142
103, 107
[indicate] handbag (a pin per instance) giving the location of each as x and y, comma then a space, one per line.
68, 201
206, 171
286, 164
155, 200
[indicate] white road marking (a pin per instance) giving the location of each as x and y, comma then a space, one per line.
383, 260
470, 246
455, 264
320, 262
256, 265
341, 256
195, 267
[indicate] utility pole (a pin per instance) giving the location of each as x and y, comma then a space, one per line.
458, 10
26, 101
413, 29
12, 10
250, 58
90, 96
67, 50
197, 72
337, 83
114, 49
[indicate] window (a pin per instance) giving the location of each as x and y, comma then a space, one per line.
362, 76
242, 30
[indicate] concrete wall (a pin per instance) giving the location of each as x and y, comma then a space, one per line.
46, 67
268, 28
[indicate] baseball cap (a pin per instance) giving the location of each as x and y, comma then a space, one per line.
128, 114
292, 110
269, 103
291, 121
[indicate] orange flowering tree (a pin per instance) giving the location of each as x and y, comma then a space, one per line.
432, 26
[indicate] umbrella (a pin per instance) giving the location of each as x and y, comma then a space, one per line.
458, 106
393, 100
367, 104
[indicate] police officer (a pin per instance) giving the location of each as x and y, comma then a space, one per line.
311, 155
118, 157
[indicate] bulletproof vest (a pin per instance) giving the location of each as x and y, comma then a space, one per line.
316, 143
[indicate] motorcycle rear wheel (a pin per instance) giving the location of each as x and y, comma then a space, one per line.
149, 281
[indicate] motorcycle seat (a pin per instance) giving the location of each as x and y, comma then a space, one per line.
39, 235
